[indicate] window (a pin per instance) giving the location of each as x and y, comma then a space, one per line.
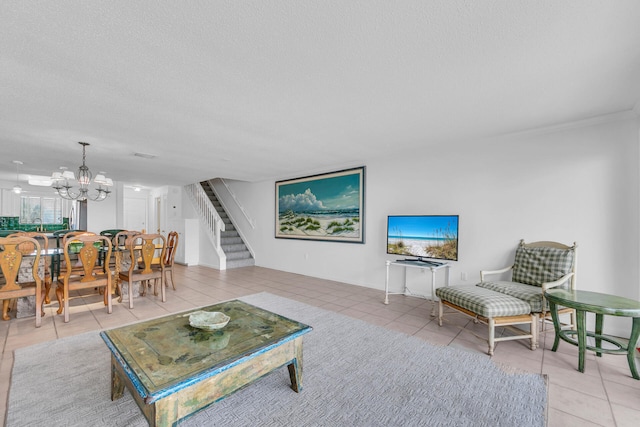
40, 210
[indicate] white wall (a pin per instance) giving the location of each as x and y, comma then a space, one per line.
102, 215
574, 184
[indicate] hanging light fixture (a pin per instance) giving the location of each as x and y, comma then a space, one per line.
64, 188
16, 188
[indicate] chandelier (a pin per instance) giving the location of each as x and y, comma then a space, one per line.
65, 190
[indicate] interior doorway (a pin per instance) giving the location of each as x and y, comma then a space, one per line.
135, 214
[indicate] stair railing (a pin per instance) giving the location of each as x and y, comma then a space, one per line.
213, 224
214, 184
239, 205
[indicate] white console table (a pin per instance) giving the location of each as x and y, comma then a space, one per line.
434, 267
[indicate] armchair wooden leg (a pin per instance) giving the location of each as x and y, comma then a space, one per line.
492, 335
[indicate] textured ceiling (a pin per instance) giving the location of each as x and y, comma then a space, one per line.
255, 90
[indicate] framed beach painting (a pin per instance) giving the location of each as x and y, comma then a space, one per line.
327, 207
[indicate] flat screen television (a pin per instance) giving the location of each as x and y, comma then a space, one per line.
424, 237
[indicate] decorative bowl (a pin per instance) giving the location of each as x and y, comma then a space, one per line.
208, 320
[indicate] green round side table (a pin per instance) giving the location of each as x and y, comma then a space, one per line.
601, 304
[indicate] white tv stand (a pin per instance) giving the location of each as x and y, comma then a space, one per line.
433, 266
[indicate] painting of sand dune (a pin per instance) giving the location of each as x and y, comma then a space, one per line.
322, 207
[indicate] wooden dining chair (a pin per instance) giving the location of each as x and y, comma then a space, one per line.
121, 237
141, 250
71, 236
121, 259
74, 234
111, 233
169, 256
45, 266
17, 281
88, 274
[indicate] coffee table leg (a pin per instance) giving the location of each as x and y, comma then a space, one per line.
599, 321
117, 385
556, 324
582, 338
295, 367
165, 411
633, 339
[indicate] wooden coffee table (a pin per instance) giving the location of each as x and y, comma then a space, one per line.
600, 304
174, 370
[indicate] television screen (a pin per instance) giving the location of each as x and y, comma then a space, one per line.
423, 236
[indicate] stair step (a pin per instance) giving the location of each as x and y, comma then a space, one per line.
240, 263
234, 247
238, 255
230, 240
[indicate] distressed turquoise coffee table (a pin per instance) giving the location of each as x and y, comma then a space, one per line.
600, 304
174, 370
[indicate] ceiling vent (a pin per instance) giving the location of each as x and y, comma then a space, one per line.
145, 155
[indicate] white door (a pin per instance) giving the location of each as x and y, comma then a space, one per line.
135, 214
158, 215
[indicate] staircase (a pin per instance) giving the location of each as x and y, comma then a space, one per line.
230, 241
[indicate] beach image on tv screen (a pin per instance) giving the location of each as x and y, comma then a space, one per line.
423, 236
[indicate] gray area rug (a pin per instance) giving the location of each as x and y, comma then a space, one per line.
355, 374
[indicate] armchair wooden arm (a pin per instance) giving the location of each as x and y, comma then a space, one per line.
484, 273
558, 282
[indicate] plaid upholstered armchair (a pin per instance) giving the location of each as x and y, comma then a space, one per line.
538, 266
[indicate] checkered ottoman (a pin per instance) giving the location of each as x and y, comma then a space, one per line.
491, 308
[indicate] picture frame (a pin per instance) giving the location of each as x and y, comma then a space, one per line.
323, 207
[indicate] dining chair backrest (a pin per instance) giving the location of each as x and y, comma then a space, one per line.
59, 235
43, 267
72, 236
88, 273
111, 232
143, 247
88, 255
121, 237
28, 248
11, 284
11, 258
172, 246
169, 256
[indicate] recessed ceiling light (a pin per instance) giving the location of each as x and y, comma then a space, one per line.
41, 181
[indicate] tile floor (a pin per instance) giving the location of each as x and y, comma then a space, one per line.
605, 395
